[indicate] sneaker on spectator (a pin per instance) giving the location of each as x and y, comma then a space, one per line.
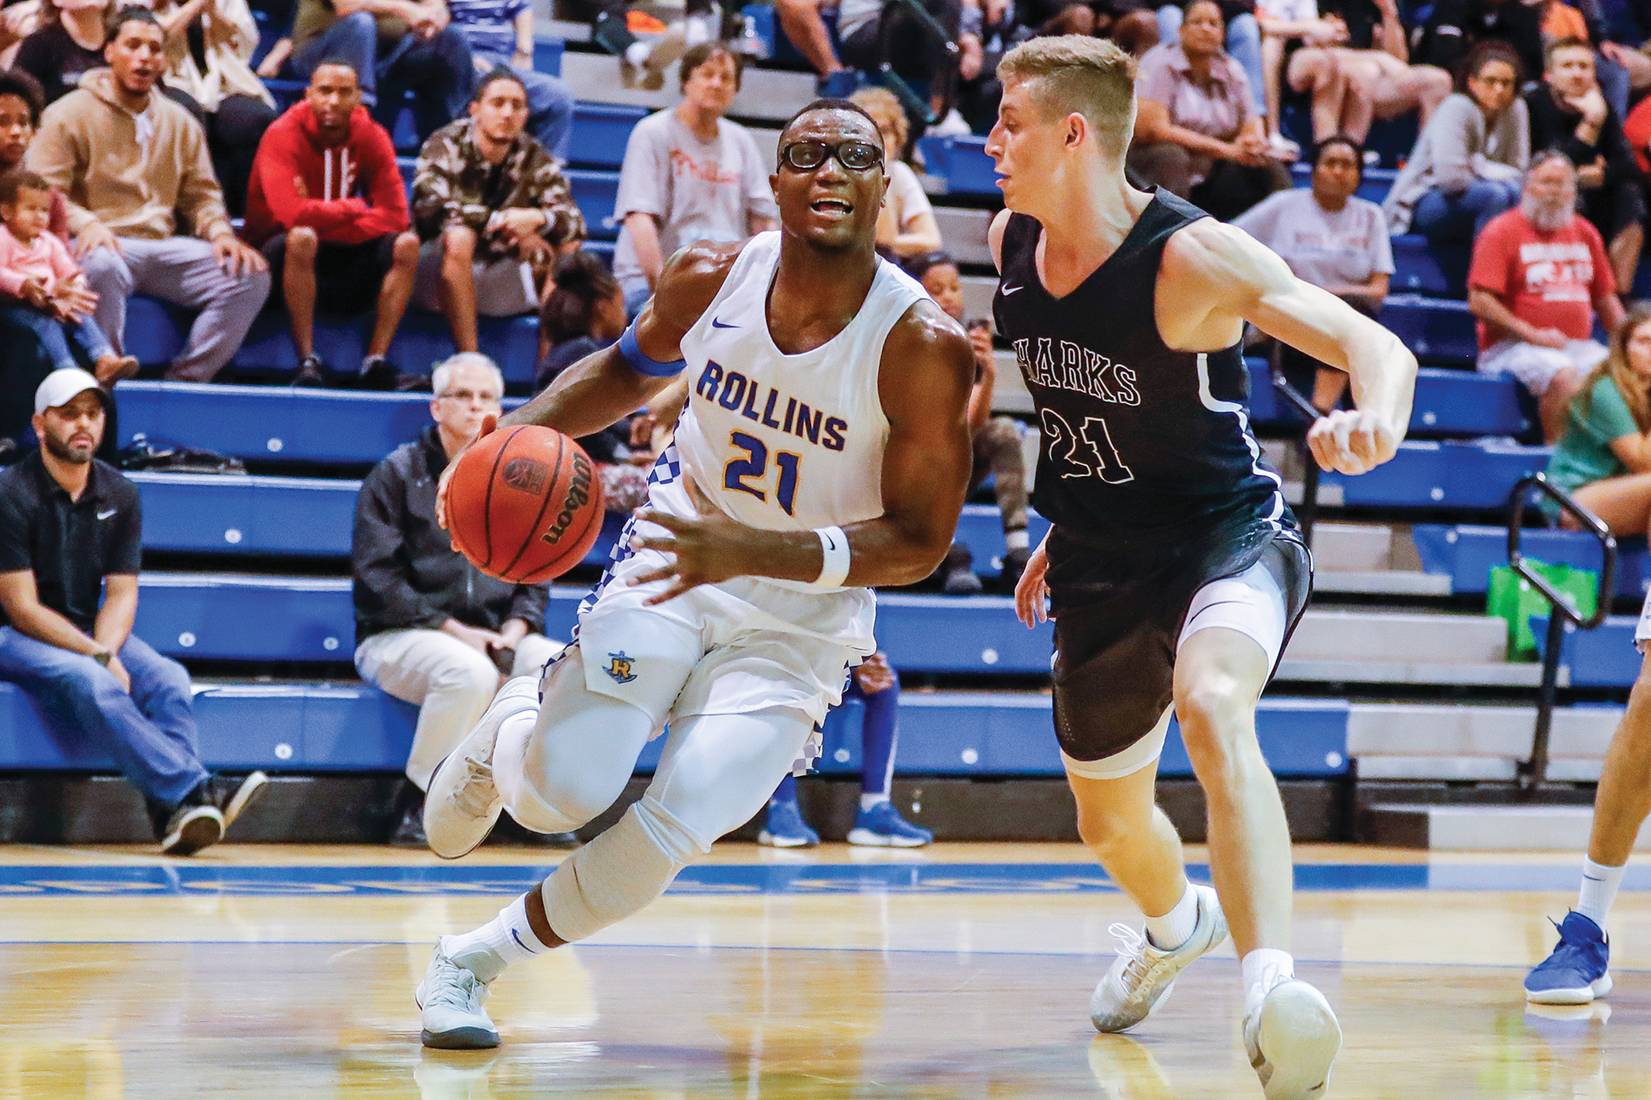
114, 368
883, 827
953, 125
192, 826
1282, 148
1014, 564
785, 827
838, 85
378, 373
310, 372
960, 572
409, 831
233, 796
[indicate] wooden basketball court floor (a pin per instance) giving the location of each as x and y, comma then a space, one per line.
959, 971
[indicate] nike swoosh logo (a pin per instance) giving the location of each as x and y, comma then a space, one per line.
831, 543
1008, 290
106, 515
716, 323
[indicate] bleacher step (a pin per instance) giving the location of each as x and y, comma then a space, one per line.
1356, 635
1379, 582
1489, 732
770, 95
1481, 828
1413, 673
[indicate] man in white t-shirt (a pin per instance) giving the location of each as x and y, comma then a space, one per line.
689, 175
1331, 238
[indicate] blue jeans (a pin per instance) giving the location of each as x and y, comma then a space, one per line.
150, 731
1243, 43
439, 72
1460, 218
549, 106
60, 339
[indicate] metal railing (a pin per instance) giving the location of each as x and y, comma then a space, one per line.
1534, 772
1307, 510
945, 81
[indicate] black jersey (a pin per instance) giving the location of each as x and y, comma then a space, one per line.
1140, 441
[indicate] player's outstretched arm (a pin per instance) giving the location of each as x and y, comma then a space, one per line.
1236, 275
924, 383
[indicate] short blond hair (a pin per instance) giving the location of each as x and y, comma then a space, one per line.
1075, 73
884, 106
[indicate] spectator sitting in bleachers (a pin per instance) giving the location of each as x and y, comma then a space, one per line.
917, 57
1331, 238
500, 32
689, 174
991, 28
209, 46
905, 225
21, 102
1535, 271
996, 438
493, 210
43, 290
1240, 36
17, 22
877, 824
584, 313
329, 210
643, 62
99, 138
397, 46
70, 549
1466, 166
1457, 28
66, 44
1197, 131
1569, 113
1356, 67
1604, 457
431, 629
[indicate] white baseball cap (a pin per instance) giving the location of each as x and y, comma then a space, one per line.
62, 387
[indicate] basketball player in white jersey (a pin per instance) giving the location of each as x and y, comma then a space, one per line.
1173, 568
823, 450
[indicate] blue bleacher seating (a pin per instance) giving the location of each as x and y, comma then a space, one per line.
1604, 657
355, 728
1467, 553
1449, 403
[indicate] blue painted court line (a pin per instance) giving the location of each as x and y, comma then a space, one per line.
742, 879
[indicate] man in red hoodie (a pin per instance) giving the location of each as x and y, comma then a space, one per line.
329, 209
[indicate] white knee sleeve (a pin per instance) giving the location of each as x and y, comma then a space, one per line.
620, 871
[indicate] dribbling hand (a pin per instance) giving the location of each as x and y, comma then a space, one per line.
1351, 442
1032, 591
488, 424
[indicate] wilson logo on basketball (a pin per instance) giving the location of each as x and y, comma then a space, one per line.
527, 474
578, 493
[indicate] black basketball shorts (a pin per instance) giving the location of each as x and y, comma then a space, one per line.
1121, 617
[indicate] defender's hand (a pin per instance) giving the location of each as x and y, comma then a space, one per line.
706, 548
1351, 442
488, 424
1031, 591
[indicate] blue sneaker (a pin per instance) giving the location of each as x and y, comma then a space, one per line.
1576, 971
786, 828
883, 827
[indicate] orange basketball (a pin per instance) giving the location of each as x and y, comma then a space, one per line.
525, 504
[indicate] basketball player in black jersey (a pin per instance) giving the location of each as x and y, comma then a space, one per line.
1174, 570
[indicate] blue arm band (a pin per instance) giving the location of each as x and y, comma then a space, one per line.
642, 362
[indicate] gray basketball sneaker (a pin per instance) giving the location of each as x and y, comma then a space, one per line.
462, 805
450, 998
1142, 976
1292, 1038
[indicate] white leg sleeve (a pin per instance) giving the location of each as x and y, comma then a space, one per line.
718, 770
561, 766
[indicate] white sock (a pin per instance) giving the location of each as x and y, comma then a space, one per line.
1016, 540
637, 53
1175, 927
1599, 890
1262, 969
870, 802
503, 940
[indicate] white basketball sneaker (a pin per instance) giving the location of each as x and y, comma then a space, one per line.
450, 998
462, 805
1142, 976
1291, 1038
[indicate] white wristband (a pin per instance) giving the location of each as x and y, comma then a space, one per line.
834, 547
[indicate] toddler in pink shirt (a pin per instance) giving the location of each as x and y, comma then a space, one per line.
42, 288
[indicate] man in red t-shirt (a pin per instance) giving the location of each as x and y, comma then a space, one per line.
1539, 275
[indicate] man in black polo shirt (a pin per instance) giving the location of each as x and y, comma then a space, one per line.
70, 543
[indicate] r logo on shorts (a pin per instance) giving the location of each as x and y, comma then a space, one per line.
619, 668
